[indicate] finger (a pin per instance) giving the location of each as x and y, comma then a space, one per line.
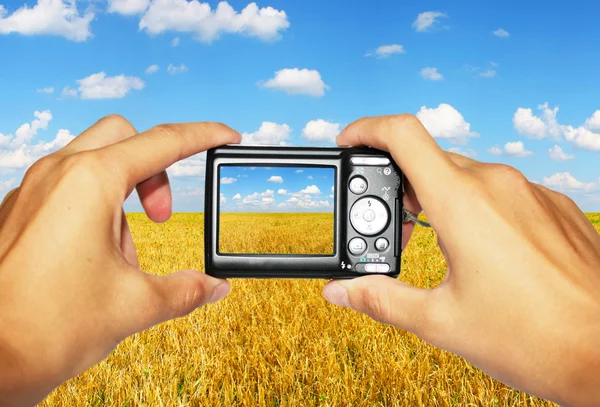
429, 169
127, 245
385, 300
155, 192
411, 204
108, 130
463, 161
154, 299
7, 204
155, 195
148, 153
7, 197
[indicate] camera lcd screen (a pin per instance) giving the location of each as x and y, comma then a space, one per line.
277, 210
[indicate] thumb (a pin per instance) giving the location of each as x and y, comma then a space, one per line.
158, 299
384, 299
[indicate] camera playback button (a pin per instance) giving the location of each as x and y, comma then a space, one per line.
358, 185
357, 246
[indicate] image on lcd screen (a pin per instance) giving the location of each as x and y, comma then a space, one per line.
276, 210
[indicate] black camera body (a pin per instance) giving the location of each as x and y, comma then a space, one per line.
301, 228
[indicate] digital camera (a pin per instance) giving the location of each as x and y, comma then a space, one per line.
302, 212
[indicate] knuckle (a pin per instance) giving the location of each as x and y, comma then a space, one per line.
39, 169
117, 121
83, 167
508, 175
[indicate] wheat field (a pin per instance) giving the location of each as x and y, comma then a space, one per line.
278, 343
276, 233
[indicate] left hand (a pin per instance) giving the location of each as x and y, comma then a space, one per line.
70, 285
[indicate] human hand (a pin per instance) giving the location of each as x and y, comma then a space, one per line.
70, 284
521, 297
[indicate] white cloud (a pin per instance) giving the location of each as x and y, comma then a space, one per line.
593, 123
46, 90
282, 191
384, 51
495, 150
207, 25
516, 149
298, 171
431, 74
228, 180
18, 154
257, 198
528, 124
69, 92
310, 177
236, 197
501, 33
470, 153
175, 42
189, 191
426, 20
48, 17
268, 133
276, 179
128, 7
152, 69
29, 130
321, 131
194, 166
557, 153
26, 131
99, 86
488, 73
564, 181
446, 122
172, 69
547, 126
311, 189
296, 81
222, 198
582, 138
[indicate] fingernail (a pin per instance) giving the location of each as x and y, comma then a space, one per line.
219, 292
336, 294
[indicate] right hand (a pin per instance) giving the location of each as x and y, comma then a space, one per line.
521, 298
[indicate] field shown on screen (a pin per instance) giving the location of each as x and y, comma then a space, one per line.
276, 210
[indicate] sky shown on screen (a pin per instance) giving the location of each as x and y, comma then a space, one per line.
276, 189
505, 82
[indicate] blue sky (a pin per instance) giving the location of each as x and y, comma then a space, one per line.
276, 189
509, 82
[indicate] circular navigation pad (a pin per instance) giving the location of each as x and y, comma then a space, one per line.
369, 216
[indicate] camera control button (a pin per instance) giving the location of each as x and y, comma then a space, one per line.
371, 267
383, 268
358, 185
357, 246
381, 244
369, 216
